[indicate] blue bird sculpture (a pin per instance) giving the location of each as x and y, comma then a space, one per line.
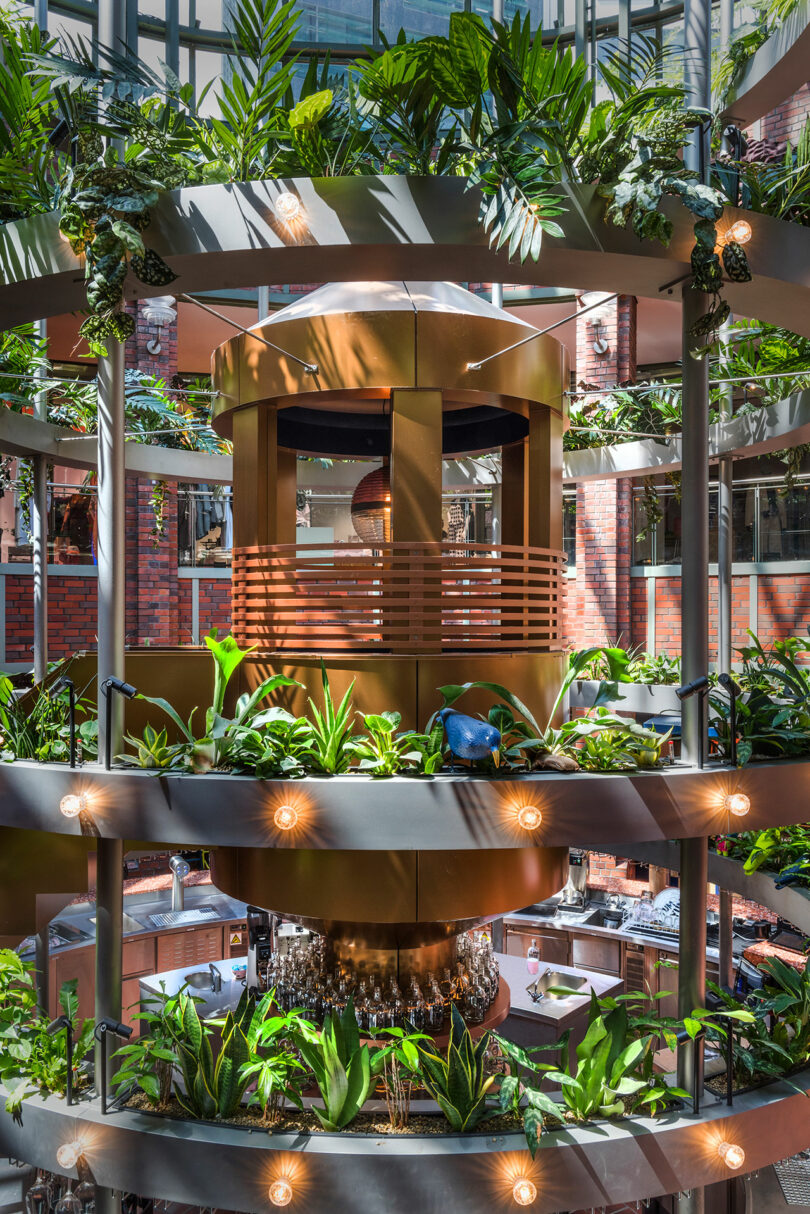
469, 737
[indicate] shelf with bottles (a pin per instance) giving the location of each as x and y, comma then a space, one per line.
320, 974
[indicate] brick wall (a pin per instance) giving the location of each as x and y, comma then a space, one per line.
614, 875
215, 605
598, 601
787, 120
72, 610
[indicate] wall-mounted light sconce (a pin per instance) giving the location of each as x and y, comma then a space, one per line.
740, 232
288, 207
286, 817
597, 302
69, 1154
738, 803
280, 1192
524, 1191
529, 817
732, 1155
159, 311
73, 804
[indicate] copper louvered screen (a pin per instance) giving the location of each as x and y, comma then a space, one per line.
405, 598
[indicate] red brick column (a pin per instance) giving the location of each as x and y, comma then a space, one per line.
153, 597
618, 329
599, 609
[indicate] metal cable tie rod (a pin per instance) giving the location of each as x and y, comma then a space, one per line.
196, 428
713, 383
540, 332
91, 383
310, 368
627, 433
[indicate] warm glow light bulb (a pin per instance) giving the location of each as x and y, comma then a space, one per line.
739, 231
529, 817
68, 1155
280, 1192
524, 1191
733, 1156
738, 803
288, 206
286, 817
73, 804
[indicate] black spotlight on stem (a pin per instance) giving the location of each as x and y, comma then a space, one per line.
698, 687
733, 691
56, 1026
101, 1032
107, 688
63, 683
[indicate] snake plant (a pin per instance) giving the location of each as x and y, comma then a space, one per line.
212, 1088
344, 1069
457, 1082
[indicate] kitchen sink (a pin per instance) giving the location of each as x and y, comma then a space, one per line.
541, 987
199, 980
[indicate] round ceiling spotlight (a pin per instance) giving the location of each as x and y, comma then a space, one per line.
371, 508
73, 804
280, 1192
732, 1155
286, 817
288, 206
738, 803
524, 1191
529, 817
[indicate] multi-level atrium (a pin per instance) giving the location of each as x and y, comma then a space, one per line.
404, 569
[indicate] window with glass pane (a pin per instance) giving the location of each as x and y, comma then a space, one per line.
796, 535
570, 528
742, 523
337, 23
643, 534
669, 548
204, 526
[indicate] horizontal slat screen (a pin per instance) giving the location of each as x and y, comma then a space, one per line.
403, 598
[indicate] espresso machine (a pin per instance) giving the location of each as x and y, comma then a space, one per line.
260, 946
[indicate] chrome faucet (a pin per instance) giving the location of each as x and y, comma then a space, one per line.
180, 869
216, 978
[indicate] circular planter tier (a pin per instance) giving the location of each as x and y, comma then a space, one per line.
467, 812
203, 1164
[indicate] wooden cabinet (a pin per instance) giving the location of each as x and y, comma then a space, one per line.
667, 980
138, 956
78, 963
195, 947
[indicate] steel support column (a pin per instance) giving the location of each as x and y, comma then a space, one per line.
692, 956
695, 527
725, 943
